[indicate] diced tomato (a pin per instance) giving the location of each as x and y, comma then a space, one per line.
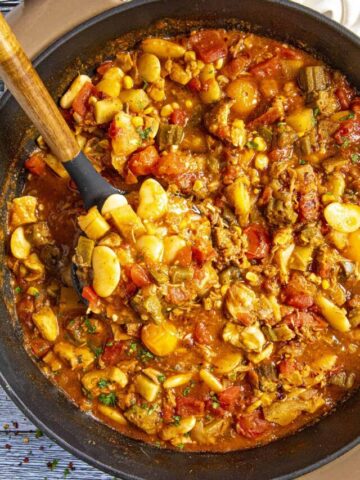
195, 85
309, 206
171, 164
230, 397
178, 117
35, 164
168, 412
287, 367
80, 104
144, 161
265, 196
202, 334
202, 253
214, 408
237, 66
104, 67
258, 242
252, 425
186, 406
139, 276
39, 347
184, 256
90, 295
114, 130
177, 295
299, 300
349, 131
112, 353
344, 95
279, 154
209, 45
267, 68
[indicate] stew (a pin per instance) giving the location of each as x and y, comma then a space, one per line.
221, 294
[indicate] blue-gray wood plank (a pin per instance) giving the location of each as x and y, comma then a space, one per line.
24, 452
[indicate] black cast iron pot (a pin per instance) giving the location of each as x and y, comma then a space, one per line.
48, 408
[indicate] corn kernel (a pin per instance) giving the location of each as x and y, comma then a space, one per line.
166, 111
92, 100
219, 63
200, 65
328, 197
252, 278
137, 121
198, 185
148, 110
261, 161
189, 104
325, 284
128, 82
190, 56
175, 105
260, 144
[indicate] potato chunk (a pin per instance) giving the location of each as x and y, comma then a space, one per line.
23, 210
19, 245
47, 323
161, 339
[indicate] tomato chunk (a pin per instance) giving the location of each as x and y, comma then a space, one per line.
300, 300
186, 406
104, 67
112, 353
230, 397
209, 45
309, 206
202, 334
80, 103
184, 256
178, 117
349, 131
258, 242
35, 164
194, 85
89, 294
144, 161
253, 425
267, 68
139, 276
171, 164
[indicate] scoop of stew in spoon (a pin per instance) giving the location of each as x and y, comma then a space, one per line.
25, 84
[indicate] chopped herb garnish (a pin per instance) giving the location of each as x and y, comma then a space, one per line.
38, 433
144, 134
102, 383
186, 391
252, 144
176, 419
144, 355
145, 85
90, 327
180, 446
18, 290
316, 111
214, 400
345, 143
97, 351
53, 464
66, 472
132, 348
161, 378
302, 162
350, 116
107, 399
355, 158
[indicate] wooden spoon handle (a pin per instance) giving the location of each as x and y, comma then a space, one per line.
25, 84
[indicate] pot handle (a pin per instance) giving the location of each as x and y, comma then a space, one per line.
25, 84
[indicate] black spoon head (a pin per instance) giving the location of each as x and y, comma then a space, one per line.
77, 284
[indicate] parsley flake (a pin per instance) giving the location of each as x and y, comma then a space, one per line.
161, 378
102, 383
38, 433
350, 116
107, 399
90, 327
176, 420
18, 290
302, 162
144, 134
355, 158
53, 464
